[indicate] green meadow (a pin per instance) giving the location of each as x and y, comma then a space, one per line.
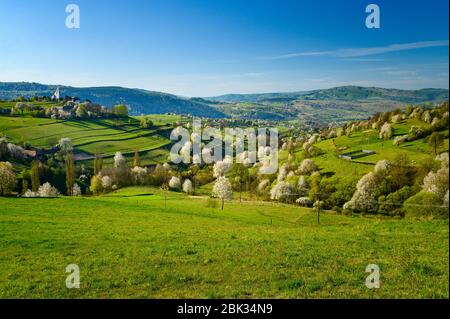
104, 136
135, 244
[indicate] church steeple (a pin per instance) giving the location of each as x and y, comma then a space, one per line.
56, 95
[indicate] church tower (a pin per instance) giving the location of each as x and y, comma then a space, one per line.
56, 95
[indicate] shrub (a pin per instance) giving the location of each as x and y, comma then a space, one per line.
304, 201
47, 190
392, 204
425, 204
96, 185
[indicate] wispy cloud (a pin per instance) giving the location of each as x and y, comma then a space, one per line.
353, 53
363, 60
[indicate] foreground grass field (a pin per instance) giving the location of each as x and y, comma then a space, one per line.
128, 244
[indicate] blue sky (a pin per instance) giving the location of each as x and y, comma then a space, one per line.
205, 48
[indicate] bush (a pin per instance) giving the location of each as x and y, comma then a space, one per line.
392, 204
425, 204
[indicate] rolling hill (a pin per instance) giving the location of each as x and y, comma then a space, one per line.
343, 93
320, 107
139, 101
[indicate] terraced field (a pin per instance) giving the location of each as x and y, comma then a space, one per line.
89, 137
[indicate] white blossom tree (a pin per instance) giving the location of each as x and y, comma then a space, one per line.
386, 131
139, 174
222, 189
307, 167
283, 192
175, 183
382, 166
15, 151
76, 190
398, 140
437, 182
65, 145
222, 167
7, 178
304, 201
187, 186
302, 186
47, 190
106, 182
364, 199
282, 173
119, 160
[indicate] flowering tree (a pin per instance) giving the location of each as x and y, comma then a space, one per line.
222, 189
263, 187
175, 183
119, 160
7, 178
76, 190
302, 186
318, 207
396, 118
139, 174
400, 140
282, 173
386, 131
222, 167
426, 117
106, 182
437, 183
15, 151
364, 199
382, 166
187, 186
307, 167
65, 145
47, 190
283, 192
304, 201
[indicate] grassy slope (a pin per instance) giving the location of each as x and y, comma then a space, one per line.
89, 136
329, 162
131, 246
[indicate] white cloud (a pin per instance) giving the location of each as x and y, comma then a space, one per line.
361, 52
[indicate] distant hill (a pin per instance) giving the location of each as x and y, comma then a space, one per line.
139, 101
320, 107
343, 93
